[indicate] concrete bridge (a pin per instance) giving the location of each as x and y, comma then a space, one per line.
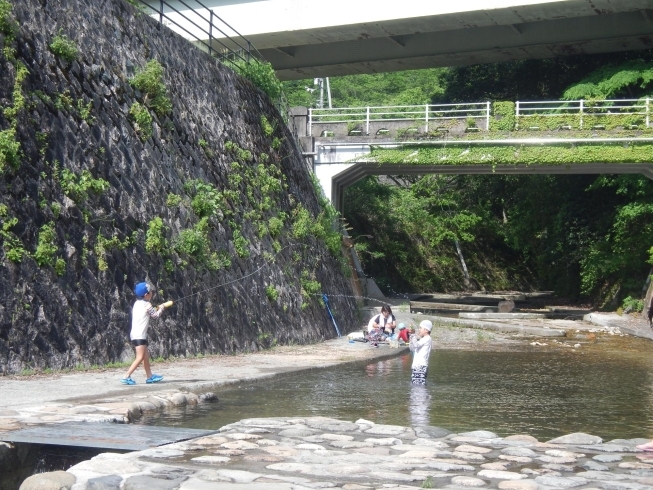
346, 144
340, 37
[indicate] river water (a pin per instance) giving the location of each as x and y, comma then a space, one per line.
603, 388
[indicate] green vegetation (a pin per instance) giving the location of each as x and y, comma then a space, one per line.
309, 287
11, 244
63, 47
155, 241
46, 248
173, 200
398, 88
78, 186
194, 243
149, 80
10, 152
206, 199
504, 116
272, 293
261, 74
8, 25
84, 111
630, 79
142, 120
103, 245
18, 99
632, 304
268, 129
60, 266
562, 154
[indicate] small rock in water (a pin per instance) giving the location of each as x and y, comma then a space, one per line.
607, 458
211, 459
495, 466
560, 482
506, 306
521, 437
467, 481
594, 466
576, 438
501, 475
517, 485
564, 454
519, 451
466, 448
481, 434
558, 467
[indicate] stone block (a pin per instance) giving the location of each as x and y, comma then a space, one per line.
56, 480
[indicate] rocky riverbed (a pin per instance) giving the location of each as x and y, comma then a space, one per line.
306, 453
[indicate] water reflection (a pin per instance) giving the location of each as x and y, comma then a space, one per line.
605, 389
419, 405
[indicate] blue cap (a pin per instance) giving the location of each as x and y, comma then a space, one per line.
141, 289
401, 326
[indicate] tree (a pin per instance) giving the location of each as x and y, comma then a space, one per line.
631, 79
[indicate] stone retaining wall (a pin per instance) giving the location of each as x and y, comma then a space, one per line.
80, 313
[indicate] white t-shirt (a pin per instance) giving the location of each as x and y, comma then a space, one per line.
141, 314
421, 349
381, 320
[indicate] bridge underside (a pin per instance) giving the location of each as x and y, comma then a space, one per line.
440, 41
362, 169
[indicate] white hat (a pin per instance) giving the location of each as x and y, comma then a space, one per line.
401, 326
426, 324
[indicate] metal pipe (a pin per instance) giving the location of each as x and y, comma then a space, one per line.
506, 142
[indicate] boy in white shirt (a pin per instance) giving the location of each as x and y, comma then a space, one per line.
141, 314
420, 345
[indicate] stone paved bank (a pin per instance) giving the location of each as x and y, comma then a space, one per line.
306, 453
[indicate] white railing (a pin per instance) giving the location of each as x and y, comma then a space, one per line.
578, 112
417, 113
580, 109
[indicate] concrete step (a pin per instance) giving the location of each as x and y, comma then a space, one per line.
502, 316
433, 306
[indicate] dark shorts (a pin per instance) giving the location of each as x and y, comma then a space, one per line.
419, 375
137, 342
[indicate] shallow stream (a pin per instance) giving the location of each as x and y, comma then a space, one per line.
603, 388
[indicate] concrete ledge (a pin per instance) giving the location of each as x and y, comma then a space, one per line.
500, 327
502, 316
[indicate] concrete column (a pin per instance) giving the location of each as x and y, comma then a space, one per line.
300, 116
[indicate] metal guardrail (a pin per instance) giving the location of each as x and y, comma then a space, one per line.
438, 113
417, 113
200, 23
582, 108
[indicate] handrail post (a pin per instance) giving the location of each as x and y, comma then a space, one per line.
426, 119
582, 105
160, 14
310, 121
367, 121
648, 112
249, 49
516, 115
487, 127
210, 32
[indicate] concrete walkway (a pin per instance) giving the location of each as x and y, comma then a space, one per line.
99, 396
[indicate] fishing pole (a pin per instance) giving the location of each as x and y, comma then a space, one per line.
167, 304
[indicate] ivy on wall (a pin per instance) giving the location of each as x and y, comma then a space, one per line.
553, 154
